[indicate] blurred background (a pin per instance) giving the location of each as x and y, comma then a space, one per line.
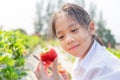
23, 32
33, 16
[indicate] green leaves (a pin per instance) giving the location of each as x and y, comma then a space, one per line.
6, 60
14, 46
115, 52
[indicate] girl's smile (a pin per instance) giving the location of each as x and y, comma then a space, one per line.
73, 47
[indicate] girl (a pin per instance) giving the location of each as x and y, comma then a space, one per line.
75, 31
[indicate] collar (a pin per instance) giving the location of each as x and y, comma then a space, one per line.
84, 62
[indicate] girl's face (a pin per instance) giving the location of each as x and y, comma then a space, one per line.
72, 36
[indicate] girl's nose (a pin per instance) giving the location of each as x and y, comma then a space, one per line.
69, 39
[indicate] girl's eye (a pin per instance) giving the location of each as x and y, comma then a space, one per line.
61, 37
74, 30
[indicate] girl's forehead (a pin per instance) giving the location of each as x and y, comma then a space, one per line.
64, 14
66, 17
65, 23
64, 20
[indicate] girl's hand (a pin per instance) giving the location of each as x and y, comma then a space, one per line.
42, 75
40, 72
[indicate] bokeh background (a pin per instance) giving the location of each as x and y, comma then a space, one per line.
23, 32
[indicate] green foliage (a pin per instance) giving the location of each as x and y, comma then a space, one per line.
104, 33
14, 45
115, 52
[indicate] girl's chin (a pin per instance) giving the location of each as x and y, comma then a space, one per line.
77, 54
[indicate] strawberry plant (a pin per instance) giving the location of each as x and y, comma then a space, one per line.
115, 52
14, 46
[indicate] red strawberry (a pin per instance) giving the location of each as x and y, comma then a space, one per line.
48, 56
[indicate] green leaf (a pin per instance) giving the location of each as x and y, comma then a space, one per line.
7, 60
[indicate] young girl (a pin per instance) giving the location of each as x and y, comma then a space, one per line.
75, 31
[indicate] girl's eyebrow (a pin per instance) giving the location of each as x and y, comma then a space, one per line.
69, 25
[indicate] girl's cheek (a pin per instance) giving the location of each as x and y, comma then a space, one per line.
62, 45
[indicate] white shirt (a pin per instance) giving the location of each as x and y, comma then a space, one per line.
97, 63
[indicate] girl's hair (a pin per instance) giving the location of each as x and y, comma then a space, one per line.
75, 12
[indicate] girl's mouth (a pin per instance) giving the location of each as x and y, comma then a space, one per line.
73, 47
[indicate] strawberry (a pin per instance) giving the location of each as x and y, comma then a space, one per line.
48, 56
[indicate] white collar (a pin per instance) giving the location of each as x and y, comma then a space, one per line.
85, 61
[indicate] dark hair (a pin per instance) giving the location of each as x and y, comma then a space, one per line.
73, 11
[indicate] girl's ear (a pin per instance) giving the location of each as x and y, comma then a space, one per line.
92, 28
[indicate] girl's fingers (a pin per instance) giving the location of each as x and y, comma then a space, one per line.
40, 72
37, 72
55, 75
40, 66
55, 65
37, 75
